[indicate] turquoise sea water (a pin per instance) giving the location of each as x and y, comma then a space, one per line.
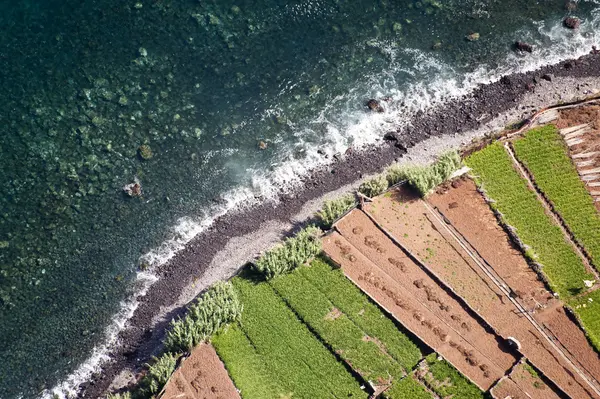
85, 83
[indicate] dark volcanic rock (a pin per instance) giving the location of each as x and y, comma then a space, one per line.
374, 105
391, 136
547, 77
522, 46
572, 22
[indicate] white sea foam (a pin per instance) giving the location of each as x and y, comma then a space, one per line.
352, 128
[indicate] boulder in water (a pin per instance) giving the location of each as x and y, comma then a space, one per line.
473, 37
133, 189
524, 47
572, 22
374, 105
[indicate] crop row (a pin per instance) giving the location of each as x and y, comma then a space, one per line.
246, 367
299, 363
350, 300
521, 209
544, 153
446, 381
407, 388
337, 330
587, 308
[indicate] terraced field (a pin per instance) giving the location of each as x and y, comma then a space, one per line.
544, 152
510, 195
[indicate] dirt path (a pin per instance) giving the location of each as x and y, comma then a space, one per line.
200, 376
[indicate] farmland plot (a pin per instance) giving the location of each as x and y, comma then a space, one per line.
521, 209
362, 352
414, 226
201, 376
407, 388
424, 318
363, 312
544, 153
293, 357
587, 308
445, 380
523, 383
467, 211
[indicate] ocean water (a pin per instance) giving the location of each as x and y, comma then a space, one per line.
85, 83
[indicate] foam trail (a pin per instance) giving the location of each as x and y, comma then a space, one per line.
351, 128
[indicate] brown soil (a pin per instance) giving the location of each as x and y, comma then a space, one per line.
590, 144
201, 376
417, 227
466, 209
424, 308
523, 383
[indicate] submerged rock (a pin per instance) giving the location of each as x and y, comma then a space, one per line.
473, 37
572, 22
145, 152
570, 5
133, 189
262, 145
374, 105
522, 46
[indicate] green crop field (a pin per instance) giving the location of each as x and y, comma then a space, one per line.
521, 209
587, 308
350, 300
245, 366
407, 388
298, 362
334, 328
446, 381
544, 152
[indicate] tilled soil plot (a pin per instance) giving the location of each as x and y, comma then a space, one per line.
523, 383
421, 305
468, 212
584, 144
409, 220
201, 376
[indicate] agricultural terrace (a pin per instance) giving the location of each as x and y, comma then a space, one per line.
407, 388
305, 332
544, 153
587, 308
445, 380
495, 174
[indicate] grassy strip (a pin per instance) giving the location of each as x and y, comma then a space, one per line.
446, 381
373, 187
544, 153
365, 314
157, 376
587, 308
218, 306
300, 363
245, 366
333, 209
337, 330
292, 253
522, 210
426, 178
407, 388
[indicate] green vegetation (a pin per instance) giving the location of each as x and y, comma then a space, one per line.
334, 328
245, 366
292, 356
219, 305
407, 388
544, 153
521, 209
125, 395
446, 381
333, 209
587, 308
349, 299
157, 376
426, 178
373, 187
292, 253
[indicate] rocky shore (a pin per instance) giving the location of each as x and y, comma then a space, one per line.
489, 108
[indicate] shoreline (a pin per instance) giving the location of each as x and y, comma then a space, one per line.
229, 243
